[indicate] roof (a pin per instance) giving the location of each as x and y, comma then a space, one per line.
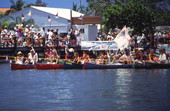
3, 10
86, 20
64, 13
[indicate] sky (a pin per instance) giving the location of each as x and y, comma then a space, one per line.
50, 3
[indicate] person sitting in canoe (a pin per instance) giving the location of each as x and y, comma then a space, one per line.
55, 56
152, 56
102, 58
85, 57
48, 55
162, 56
19, 58
32, 57
126, 58
166, 53
77, 59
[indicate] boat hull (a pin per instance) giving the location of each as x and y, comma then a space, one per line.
150, 65
21, 66
111, 66
70, 65
139, 65
157, 65
49, 66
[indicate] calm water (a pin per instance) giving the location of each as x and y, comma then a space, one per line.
84, 90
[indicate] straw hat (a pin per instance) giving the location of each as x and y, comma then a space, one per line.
19, 53
71, 50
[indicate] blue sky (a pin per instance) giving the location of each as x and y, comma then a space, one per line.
50, 3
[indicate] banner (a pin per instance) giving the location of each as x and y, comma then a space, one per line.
98, 45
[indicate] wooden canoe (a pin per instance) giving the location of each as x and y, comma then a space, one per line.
21, 66
70, 65
157, 65
49, 66
110, 66
139, 65
150, 65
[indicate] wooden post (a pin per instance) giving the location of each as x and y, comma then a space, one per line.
15, 44
71, 23
152, 38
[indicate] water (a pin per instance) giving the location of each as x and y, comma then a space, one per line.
84, 90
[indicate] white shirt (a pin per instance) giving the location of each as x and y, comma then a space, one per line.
162, 57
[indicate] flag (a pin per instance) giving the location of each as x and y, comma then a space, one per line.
30, 14
81, 17
123, 39
56, 16
22, 16
49, 19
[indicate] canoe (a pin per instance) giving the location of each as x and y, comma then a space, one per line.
70, 65
139, 65
157, 65
150, 65
110, 66
49, 66
21, 66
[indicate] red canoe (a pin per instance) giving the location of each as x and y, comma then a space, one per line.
21, 66
49, 66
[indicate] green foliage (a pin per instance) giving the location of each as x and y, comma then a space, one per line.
96, 7
2, 15
29, 22
80, 9
40, 3
11, 25
18, 5
75, 7
4, 23
133, 14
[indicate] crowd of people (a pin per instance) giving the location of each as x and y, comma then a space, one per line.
31, 36
51, 39
98, 57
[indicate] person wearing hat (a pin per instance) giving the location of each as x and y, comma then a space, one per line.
19, 58
32, 56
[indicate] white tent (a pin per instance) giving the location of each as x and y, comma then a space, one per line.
42, 14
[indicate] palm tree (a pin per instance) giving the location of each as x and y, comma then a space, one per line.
15, 6
18, 5
75, 7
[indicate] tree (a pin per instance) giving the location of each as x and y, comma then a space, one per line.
2, 15
40, 3
80, 9
75, 7
29, 5
4, 23
96, 7
133, 14
18, 5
